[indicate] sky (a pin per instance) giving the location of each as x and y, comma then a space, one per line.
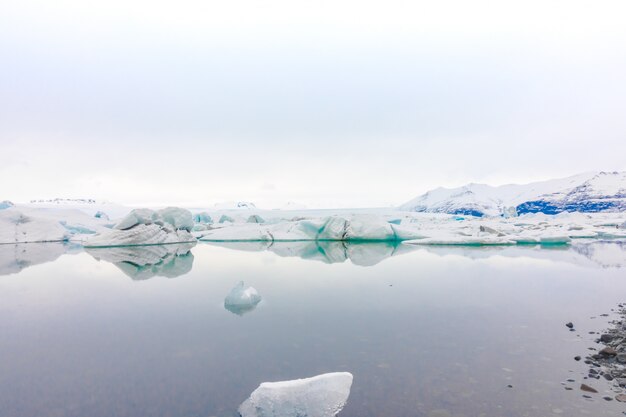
326, 103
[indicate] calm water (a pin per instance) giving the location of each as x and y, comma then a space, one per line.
426, 331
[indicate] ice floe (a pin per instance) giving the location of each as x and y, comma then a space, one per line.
320, 396
241, 300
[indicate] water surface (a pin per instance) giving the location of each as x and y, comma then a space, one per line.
425, 331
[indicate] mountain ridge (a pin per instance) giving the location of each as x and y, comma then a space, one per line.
590, 192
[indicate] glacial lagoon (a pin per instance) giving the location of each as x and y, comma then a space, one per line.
425, 331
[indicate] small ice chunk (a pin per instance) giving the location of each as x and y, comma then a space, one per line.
5, 204
225, 218
320, 396
241, 300
101, 215
255, 218
203, 217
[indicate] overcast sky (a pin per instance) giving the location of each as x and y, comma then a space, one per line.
326, 103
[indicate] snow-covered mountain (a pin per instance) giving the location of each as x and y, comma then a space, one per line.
590, 193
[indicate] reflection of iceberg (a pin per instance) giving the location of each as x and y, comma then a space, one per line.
605, 254
363, 254
144, 262
14, 258
241, 300
320, 396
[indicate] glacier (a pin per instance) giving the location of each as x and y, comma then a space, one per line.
588, 193
319, 396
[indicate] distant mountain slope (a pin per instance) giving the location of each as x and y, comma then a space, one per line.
589, 193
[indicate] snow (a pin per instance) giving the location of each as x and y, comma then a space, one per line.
234, 205
89, 206
145, 262
320, 396
590, 192
241, 300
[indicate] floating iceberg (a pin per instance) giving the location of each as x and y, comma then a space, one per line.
5, 204
353, 228
241, 300
145, 262
147, 227
320, 396
101, 215
203, 217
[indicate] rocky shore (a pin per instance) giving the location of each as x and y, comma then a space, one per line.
609, 361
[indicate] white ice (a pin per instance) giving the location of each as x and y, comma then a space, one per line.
241, 300
320, 396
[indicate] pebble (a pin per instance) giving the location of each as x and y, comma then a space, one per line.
577, 358
585, 387
608, 351
570, 325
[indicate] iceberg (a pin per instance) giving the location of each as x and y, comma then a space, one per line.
320, 396
101, 215
17, 226
147, 227
241, 300
5, 204
333, 228
145, 262
202, 217
180, 219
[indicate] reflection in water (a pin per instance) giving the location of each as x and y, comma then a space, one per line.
241, 300
363, 254
15, 257
320, 396
145, 262
604, 254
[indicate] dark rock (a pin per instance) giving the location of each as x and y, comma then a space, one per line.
576, 358
606, 338
608, 377
570, 325
608, 398
587, 388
